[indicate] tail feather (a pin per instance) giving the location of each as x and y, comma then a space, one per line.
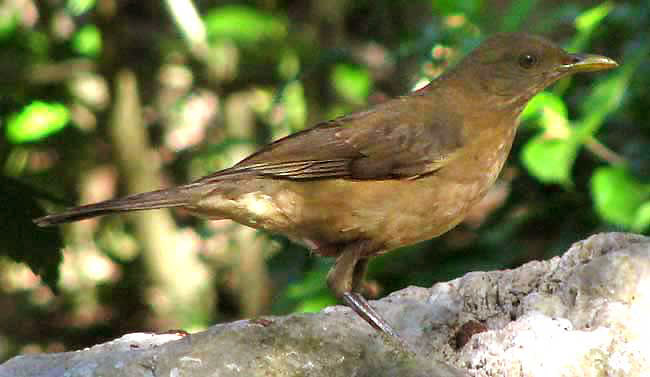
173, 197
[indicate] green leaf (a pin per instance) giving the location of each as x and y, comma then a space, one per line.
550, 160
352, 82
38, 43
295, 105
289, 65
551, 113
608, 94
79, 7
642, 218
618, 197
465, 7
591, 18
36, 121
310, 286
586, 23
315, 304
544, 101
310, 294
8, 23
88, 41
606, 97
244, 24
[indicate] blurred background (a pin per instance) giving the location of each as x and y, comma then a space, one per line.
100, 98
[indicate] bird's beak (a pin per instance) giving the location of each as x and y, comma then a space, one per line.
588, 63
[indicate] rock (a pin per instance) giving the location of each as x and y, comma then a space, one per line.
582, 314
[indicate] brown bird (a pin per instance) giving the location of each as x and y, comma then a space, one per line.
366, 183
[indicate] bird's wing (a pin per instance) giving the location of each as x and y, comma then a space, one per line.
392, 140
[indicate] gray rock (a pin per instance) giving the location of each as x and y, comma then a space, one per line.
586, 313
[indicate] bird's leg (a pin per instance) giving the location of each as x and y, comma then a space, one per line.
359, 274
345, 279
355, 300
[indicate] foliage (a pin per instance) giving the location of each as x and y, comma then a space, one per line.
551, 155
36, 121
244, 24
621, 198
214, 81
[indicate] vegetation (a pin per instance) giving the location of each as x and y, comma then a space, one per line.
104, 97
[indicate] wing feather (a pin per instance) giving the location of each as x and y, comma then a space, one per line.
392, 141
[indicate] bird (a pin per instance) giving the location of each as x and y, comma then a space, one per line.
403, 171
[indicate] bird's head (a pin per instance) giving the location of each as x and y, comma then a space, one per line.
513, 67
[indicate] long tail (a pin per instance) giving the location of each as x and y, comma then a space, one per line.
172, 197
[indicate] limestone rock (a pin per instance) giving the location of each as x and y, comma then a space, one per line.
586, 313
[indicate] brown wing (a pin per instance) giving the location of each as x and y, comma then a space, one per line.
397, 139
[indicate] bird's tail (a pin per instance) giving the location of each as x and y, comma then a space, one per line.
172, 197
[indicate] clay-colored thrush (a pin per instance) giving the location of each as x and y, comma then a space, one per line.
400, 172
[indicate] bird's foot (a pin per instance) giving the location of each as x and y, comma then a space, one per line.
360, 305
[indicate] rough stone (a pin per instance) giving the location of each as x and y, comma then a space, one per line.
583, 314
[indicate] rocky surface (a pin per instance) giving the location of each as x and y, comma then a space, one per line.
586, 313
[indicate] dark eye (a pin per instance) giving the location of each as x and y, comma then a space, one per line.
527, 60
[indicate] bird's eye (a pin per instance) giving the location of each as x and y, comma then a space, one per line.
527, 60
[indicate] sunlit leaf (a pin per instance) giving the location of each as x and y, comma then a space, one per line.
310, 294
586, 23
244, 24
315, 304
608, 94
544, 101
88, 41
295, 106
309, 286
352, 82
642, 219
551, 113
79, 7
188, 20
603, 100
289, 65
590, 18
550, 160
36, 121
618, 196
8, 23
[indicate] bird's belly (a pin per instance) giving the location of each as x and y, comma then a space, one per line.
395, 213
391, 214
